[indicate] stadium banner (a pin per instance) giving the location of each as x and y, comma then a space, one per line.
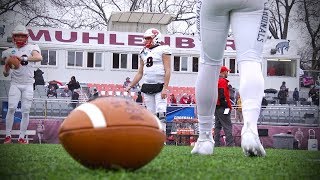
180, 112
17, 114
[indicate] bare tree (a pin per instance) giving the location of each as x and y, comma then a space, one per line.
279, 21
8, 5
92, 14
310, 18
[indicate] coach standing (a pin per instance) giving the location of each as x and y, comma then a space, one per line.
223, 109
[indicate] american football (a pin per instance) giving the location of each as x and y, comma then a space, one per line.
13, 62
112, 133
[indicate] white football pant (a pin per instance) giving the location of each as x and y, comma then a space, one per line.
17, 92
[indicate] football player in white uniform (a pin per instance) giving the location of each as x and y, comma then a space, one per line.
21, 86
249, 24
155, 69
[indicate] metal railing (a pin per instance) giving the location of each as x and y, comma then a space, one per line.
307, 115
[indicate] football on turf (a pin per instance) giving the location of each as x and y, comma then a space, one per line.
13, 62
112, 133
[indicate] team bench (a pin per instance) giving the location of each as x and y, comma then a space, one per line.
15, 134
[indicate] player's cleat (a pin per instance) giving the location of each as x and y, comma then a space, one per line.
203, 147
22, 141
7, 140
250, 144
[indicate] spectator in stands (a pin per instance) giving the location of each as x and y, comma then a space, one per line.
21, 85
65, 92
239, 109
75, 99
264, 103
223, 110
249, 27
156, 71
73, 84
283, 86
314, 95
172, 100
94, 95
191, 100
295, 95
52, 89
139, 98
184, 99
127, 83
283, 93
38, 78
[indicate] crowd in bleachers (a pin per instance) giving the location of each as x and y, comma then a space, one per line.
182, 95
60, 106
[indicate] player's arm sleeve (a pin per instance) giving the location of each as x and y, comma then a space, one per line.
166, 50
36, 48
36, 54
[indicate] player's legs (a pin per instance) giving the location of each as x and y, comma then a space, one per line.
13, 100
214, 26
249, 26
26, 102
161, 109
150, 102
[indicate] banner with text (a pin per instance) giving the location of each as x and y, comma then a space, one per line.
182, 112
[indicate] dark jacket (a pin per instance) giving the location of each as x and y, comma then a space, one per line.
73, 84
295, 95
223, 93
38, 77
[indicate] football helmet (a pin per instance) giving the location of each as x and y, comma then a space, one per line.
20, 35
152, 37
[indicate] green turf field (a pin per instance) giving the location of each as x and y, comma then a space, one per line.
50, 161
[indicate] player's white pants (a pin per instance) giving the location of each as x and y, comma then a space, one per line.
249, 24
17, 92
155, 103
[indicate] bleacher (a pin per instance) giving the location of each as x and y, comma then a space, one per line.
118, 90
42, 106
290, 114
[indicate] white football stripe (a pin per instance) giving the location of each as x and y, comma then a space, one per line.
95, 114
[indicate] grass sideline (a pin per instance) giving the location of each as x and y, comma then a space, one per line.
51, 161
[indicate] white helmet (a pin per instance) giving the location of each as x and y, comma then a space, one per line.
20, 30
155, 36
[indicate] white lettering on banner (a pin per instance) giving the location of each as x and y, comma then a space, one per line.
182, 117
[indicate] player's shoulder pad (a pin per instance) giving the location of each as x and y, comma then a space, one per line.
165, 49
6, 53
